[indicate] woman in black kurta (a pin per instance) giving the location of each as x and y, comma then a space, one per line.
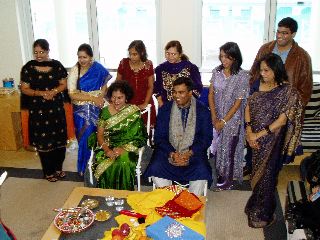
42, 82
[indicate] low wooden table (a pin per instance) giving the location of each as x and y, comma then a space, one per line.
77, 194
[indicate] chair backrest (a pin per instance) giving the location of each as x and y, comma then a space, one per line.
147, 111
155, 102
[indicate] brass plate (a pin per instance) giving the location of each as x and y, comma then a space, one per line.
90, 203
102, 215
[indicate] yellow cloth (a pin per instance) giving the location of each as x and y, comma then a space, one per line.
145, 203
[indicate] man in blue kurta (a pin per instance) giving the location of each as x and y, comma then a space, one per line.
183, 134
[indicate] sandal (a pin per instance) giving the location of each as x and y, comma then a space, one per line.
51, 178
60, 174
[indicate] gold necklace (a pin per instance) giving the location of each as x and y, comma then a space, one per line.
136, 67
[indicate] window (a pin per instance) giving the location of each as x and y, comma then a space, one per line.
231, 21
305, 13
63, 24
121, 22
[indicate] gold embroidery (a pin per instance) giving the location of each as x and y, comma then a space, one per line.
129, 147
168, 80
119, 117
102, 167
95, 93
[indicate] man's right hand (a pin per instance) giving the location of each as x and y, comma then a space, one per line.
179, 160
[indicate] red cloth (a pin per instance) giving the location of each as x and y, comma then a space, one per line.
185, 204
25, 127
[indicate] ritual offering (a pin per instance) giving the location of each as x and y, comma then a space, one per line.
168, 228
109, 201
90, 203
185, 204
102, 215
74, 220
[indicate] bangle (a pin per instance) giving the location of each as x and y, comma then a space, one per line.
224, 121
267, 128
102, 145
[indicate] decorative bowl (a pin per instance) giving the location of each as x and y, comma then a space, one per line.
74, 220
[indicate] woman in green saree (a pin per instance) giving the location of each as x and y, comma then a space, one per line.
120, 134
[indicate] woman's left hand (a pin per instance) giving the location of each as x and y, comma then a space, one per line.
252, 140
99, 101
143, 106
48, 95
252, 136
218, 125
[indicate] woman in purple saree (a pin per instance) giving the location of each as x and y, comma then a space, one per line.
87, 84
273, 128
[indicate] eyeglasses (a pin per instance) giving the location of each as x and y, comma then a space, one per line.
171, 54
283, 32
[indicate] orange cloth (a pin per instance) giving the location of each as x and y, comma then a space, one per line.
185, 204
25, 127
69, 118
25, 124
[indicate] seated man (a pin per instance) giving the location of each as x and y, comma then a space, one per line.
183, 134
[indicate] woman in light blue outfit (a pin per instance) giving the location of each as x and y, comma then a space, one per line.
227, 99
87, 84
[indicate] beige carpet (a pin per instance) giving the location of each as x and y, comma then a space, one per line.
226, 219
26, 207
26, 204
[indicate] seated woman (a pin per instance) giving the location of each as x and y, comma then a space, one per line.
120, 134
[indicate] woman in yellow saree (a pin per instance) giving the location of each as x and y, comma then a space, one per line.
120, 134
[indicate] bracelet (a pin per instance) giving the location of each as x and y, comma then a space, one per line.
224, 121
267, 128
246, 124
102, 145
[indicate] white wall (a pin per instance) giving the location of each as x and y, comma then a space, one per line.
179, 21
10, 51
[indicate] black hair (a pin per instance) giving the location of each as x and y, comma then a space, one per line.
178, 46
84, 47
43, 43
290, 23
233, 52
184, 80
88, 50
274, 62
122, 86
139, 46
